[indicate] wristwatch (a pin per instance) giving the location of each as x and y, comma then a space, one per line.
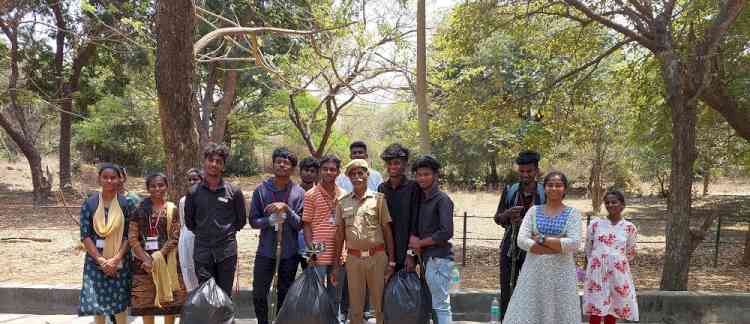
410, 252
540, 240
392, 264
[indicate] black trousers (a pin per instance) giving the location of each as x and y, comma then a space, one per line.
262, 279
222, 271
505, 271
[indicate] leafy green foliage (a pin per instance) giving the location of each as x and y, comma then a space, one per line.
124, 131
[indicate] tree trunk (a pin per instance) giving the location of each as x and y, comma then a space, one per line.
423, 117
226, 104
746, 257
23, 137
706, 180
684, 116
206, 106
174, 74
41, 184
596, 188
493, 181
65, 137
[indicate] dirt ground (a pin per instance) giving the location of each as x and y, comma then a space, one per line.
55, 260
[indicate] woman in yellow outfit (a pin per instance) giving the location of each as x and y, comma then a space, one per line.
104, 231
153, 236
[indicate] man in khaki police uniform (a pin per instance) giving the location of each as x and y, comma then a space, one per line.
363, 221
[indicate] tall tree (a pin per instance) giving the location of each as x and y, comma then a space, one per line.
17, 114
174, 78
83, 50
422, 111
685, 67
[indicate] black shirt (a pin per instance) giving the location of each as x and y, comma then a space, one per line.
214, 217
403, 204
520, 198
436, 220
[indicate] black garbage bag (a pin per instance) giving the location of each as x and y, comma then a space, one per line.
307, 302
208, 304
407, 300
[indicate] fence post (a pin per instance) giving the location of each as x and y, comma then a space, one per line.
463, 258
718, 240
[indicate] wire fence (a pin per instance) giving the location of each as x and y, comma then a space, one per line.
715, 241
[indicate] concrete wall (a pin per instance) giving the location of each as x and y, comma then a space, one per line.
468, 305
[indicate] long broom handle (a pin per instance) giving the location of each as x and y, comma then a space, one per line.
275, 285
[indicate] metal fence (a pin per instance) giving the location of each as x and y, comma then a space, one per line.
715, 241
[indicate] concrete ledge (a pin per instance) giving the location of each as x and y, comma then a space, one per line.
468, 305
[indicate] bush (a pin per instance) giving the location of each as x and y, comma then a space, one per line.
122, 131
241, 161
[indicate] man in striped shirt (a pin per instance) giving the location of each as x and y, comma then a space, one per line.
319, 222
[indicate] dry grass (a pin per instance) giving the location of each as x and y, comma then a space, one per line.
58, 262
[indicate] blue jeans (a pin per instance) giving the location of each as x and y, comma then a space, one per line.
438, 275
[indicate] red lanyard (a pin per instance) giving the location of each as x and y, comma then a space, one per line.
153, 227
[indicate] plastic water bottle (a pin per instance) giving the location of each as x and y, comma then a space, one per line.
455, 280
495, 311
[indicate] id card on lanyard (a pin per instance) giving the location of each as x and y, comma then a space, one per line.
152, 243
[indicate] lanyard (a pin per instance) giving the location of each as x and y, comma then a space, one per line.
154, 226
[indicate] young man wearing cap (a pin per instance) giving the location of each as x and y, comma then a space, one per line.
433, 234
515, 201
363, 222
358, 150
402, 196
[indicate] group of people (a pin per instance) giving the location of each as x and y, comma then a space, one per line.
537, 255
146, 255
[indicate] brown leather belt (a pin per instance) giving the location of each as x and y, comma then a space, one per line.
366, 253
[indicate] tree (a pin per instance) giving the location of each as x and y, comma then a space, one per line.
343, 66
174, 79
683, 43
421, 93
67, 86
17, 116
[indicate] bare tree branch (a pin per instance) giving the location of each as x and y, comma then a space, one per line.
646, 42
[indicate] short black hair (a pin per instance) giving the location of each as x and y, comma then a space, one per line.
618, 194
212, 149
194, 171
110, 166
426, 161
395, 151
528, 157
152, 176
559, 174
358, 144
284, 153
309, 163
330, 158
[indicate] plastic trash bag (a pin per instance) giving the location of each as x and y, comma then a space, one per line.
207, 304
407, 300
307, 302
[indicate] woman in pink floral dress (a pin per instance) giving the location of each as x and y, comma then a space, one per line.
609, 292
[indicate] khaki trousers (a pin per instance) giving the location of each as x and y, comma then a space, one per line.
366, 273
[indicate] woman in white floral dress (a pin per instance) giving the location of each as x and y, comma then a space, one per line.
546, 290
609, 291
